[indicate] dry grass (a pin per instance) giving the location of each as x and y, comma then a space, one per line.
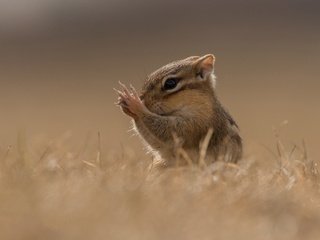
48, 191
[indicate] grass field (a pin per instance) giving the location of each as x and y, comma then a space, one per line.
49, 191
59, 63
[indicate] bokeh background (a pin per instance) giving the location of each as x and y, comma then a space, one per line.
60, 60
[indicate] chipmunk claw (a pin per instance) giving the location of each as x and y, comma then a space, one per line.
129, 101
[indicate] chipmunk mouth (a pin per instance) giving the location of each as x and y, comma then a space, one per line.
172, 112
162, 110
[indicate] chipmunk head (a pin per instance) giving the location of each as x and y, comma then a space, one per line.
182, 87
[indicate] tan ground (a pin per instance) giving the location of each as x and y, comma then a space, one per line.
52, 193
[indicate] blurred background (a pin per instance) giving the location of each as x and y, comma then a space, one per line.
60, 60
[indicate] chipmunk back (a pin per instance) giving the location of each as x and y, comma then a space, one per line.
177, 108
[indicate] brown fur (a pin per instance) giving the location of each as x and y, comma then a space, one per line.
188, 113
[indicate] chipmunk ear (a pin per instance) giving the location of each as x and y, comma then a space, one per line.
204, 65
192, 58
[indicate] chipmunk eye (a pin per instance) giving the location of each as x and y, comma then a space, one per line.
170, 83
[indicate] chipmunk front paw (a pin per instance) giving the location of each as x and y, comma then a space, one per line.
130, 102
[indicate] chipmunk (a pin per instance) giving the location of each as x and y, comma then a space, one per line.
178, 101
